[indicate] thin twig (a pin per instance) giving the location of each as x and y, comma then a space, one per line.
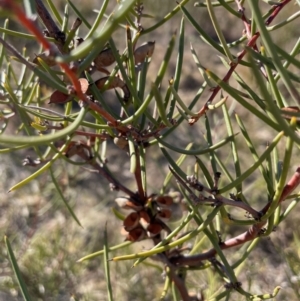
226, 78
239, 204
179, 282
251, 43
276, 9
52, 29
252, 233
138, 175
18, 55
101, 170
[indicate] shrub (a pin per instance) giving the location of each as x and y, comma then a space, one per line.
232, 190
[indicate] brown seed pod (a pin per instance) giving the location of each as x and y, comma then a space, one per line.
153, 229
116, 82
72, 149
79, 148
58, 97
164, 214
104, 59
131, 221
136, 234
164, 200
145, 50
144, 218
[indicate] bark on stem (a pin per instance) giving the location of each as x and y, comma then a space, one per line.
52, 28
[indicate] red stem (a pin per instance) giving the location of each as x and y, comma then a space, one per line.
226, 78
251, 43
250, 234
277, 8
28, 23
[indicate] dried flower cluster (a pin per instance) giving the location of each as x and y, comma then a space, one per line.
102, 61
147, 219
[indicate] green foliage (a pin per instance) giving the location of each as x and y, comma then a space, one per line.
195, 207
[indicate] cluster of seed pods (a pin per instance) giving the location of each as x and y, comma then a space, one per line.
104, 59
145, 220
